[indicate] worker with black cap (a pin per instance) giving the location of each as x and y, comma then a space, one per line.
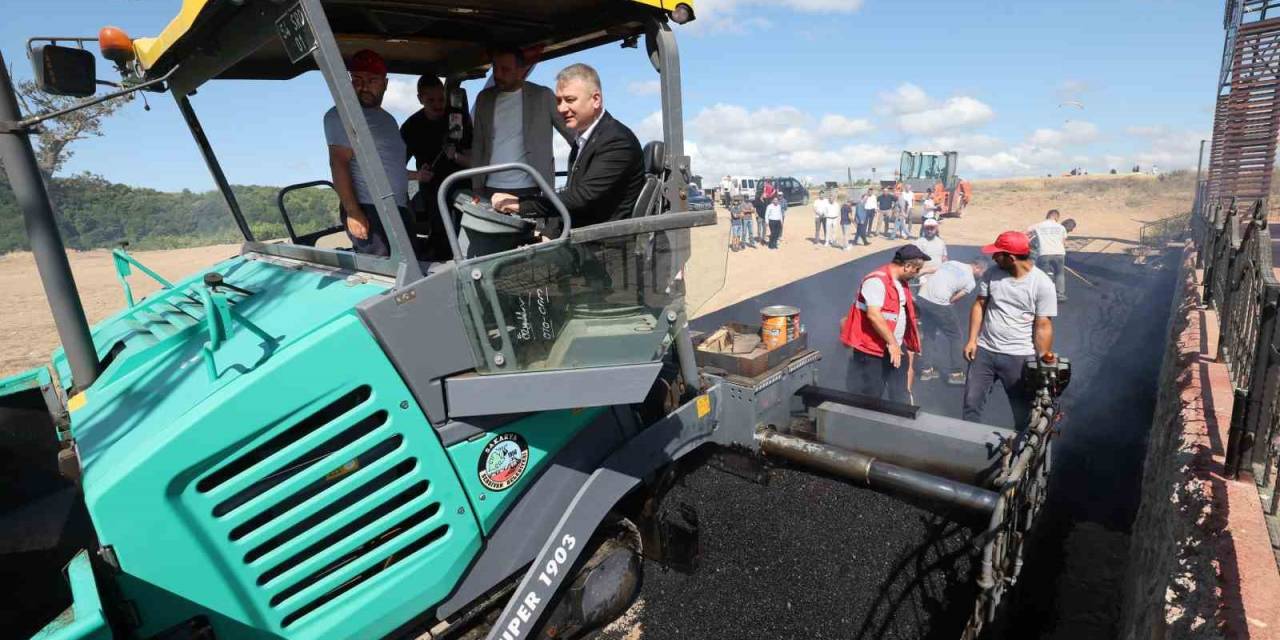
880, 324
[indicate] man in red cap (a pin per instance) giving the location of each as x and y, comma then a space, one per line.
1010, 322
359, 216
881, 322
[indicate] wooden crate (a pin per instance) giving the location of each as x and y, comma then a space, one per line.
711, 351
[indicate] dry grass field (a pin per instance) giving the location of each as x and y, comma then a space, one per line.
1109, 209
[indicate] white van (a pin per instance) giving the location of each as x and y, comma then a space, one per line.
742, 187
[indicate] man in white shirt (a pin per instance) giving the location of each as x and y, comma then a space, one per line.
1050, 236
820, 205
773, 215
906, 200
932, 244
833, 221
939, 324
513, 123
871, 206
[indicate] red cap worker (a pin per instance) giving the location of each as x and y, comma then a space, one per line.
350, 180
1010, 321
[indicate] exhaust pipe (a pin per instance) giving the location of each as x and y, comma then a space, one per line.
46, 242
878, 475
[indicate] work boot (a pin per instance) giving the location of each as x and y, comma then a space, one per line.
928, 374
956, 378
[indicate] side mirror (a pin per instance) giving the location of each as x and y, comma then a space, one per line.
64, 71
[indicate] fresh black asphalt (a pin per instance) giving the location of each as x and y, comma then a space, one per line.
812, 557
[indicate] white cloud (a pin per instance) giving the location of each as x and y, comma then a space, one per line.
783, 140
650, 128
965, 143
913, 111
1167, 148
644, 88
779, 129
1001, 163
907, 98
401, 98
838, 126
957, 112
1075, 132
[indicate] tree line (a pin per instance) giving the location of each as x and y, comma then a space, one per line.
93, 212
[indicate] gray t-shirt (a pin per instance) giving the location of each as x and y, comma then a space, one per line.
951, 278
386, 137
1012, 308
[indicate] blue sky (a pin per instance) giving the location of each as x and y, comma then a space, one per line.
790, 87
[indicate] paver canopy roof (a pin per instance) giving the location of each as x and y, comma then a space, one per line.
230, 39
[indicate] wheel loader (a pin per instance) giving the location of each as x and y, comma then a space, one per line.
305, 442
933, 174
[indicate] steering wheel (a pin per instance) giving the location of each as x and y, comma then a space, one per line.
482, 217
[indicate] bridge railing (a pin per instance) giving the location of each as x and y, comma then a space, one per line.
1234, 243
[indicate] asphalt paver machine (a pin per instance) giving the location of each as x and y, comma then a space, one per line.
304, 442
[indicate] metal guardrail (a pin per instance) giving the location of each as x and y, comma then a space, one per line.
1230, 230
1157, 233
1241, 286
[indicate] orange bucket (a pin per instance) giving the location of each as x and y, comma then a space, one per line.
779, 324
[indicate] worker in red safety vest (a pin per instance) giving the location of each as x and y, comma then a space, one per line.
880, 323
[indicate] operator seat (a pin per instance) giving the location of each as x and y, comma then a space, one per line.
654, 156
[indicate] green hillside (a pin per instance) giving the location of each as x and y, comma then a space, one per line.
93, 213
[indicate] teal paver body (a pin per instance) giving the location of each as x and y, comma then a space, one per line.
33, 378
541, 436
297, 490
85, 619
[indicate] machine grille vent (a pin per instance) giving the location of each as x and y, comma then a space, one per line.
285, 438
317, 455
408, 550
325, 505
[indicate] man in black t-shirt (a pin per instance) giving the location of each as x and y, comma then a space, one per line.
438, 143
885, 202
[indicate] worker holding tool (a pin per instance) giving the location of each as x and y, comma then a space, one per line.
1050, 237
880, 324
1010, 321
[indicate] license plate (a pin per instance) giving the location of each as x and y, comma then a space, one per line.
295, 33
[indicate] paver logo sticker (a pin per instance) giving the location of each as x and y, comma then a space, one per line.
503, 461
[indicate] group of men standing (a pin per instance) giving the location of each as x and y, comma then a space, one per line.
514, 121
859, 215
1009, 322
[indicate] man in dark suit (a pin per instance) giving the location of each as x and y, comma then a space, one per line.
606, 167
